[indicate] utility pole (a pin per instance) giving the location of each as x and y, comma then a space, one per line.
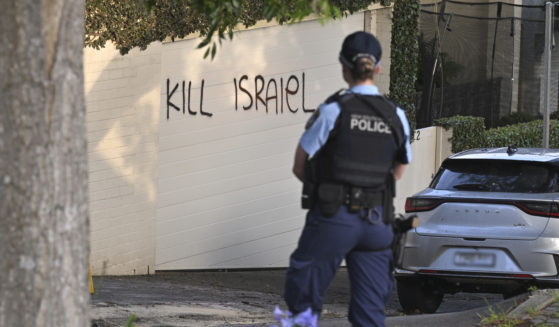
547, 70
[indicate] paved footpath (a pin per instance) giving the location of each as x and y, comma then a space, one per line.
540, 309
247, 299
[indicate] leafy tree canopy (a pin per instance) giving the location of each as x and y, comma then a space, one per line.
137, 23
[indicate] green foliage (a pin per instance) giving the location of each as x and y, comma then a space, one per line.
130, 322
469, 132
532, 288
520, 135
499, 319
137, 23
533, 311
130, 24
405, 55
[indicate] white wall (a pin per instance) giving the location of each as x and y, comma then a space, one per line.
429, 149
227, 197
122, 97
197, 191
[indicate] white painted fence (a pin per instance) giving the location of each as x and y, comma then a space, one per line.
429, 149
186, 173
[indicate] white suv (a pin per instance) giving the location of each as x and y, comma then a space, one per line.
488, 222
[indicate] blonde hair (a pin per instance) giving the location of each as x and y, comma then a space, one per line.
364, 69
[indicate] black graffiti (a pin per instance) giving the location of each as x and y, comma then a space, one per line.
185, 99
269, 95
258, 90
244, 77
266, 93
293, 92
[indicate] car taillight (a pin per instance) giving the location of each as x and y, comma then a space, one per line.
421, 204
522, 276
427, 271
538, 208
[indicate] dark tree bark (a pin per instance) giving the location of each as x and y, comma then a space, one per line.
44, 219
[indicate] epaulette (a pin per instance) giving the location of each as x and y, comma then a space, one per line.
334, 97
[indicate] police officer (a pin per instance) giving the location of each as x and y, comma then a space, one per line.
354, 147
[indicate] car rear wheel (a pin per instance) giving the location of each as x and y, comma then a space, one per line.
418, 296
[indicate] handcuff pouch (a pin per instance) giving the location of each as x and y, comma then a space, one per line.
330, 198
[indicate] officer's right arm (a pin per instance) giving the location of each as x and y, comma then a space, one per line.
315, 136
299, 162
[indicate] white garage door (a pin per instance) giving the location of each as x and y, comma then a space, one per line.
229, 128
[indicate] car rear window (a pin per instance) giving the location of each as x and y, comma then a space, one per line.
496, 176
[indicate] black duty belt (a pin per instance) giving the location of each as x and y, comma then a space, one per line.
358, 198
364, 202
332, 195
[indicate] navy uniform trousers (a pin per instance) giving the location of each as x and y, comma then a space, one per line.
324, 243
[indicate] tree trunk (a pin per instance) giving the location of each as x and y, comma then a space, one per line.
44, 219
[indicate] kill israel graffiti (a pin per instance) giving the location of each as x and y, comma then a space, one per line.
268, 94
185, 103
271, 95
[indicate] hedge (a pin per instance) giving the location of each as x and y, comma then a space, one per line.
469, 132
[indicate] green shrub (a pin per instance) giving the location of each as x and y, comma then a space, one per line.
520, 135
469, 132
554, 134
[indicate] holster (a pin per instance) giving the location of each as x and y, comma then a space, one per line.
330, 198
400, 226
308, 196
388, 199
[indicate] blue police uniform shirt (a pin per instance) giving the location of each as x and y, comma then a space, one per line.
317, 133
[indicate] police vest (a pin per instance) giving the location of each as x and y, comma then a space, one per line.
361, 148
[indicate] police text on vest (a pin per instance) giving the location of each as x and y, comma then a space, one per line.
367, 123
